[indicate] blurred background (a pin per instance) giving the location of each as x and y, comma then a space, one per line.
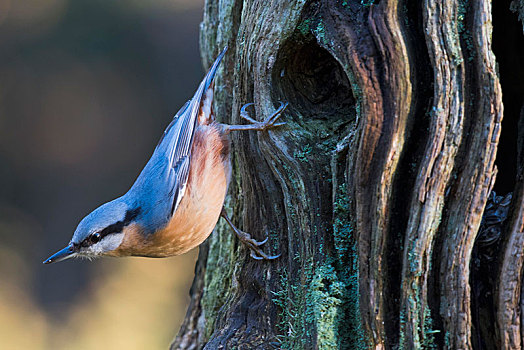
86, 90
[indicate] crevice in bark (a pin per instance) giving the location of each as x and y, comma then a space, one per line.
470, 79
420, 302
508, 46
405, 179
484, 271
373, 43
474, 170
437, 275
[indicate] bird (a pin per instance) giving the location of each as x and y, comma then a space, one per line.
178, 198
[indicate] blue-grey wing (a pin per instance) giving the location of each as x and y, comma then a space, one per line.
176, 150
177, 140
181, 173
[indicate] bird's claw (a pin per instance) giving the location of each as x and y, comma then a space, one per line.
245, 115
262, 256
273, 118
253, 245
259, 243
269, 122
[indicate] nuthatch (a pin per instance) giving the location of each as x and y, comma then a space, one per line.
177, 199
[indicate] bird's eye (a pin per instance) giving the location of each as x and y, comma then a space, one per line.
95, 237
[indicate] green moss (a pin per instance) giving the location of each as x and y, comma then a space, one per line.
320, 32
402, 336
346, 266
429, 333
325, 297
218, 274
302, 154
342, 228
290, 299
324, 302
447, 340
304, 27
424, 332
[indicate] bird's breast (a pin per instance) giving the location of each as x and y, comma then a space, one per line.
200, 207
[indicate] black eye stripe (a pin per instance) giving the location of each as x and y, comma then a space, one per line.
119, 226
131, 215
116, 227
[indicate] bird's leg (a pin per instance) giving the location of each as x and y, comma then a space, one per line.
253, 245
268, 123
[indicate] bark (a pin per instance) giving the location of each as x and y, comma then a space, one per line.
374, 192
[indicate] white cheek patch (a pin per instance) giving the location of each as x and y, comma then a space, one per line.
108, 243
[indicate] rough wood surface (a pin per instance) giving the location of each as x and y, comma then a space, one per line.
375, 189
443, 139
475, 175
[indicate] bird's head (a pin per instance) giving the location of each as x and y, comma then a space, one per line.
99, 233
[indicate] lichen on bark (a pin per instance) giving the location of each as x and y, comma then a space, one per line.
373, 191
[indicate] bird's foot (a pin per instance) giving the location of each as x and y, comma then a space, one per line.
253, 245
268, 123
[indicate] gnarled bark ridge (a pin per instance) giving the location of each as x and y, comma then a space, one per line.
373, 192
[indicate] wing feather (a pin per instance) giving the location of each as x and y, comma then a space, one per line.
178, 138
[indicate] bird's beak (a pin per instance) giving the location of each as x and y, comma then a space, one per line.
66, 253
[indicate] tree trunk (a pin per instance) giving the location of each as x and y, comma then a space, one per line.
374, 192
